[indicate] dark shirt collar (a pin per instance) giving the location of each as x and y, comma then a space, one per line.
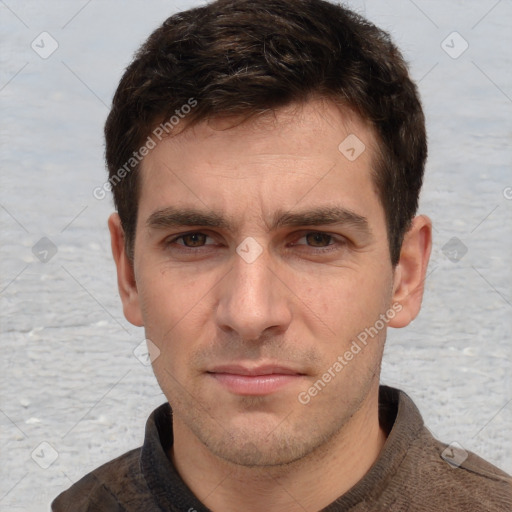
397, 415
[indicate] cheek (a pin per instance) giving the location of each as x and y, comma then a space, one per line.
165, 295
175, 310
162, 306
347, 302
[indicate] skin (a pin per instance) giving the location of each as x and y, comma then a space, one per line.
300, 304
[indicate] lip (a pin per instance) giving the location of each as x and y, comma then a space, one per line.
254, 381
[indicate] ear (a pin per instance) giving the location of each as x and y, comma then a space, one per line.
409, 277
125, 273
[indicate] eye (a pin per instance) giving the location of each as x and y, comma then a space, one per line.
190, 240
318, 239
318, 243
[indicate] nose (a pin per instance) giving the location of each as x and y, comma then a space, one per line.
253, 300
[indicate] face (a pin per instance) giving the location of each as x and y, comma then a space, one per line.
261, 255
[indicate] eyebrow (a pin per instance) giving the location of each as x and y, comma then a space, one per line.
321, 216
179, 217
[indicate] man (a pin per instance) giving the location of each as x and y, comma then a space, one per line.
266, 158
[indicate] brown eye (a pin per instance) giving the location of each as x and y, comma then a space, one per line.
193, 239
318, 239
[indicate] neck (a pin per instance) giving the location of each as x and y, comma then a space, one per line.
334, 468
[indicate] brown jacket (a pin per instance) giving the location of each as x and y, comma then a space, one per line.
414, 472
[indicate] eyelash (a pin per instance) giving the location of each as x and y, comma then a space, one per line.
329, 247
336, 241
173, 240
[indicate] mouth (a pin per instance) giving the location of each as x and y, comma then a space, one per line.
254, 381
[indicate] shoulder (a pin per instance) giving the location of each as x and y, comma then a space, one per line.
455, 479
428, 475
106, 488
121, 485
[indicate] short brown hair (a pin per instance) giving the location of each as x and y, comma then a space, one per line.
246, 57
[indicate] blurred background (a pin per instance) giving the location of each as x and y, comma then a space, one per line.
75, 390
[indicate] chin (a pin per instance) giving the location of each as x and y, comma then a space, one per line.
252, 454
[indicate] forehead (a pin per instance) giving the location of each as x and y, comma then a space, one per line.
309, 154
